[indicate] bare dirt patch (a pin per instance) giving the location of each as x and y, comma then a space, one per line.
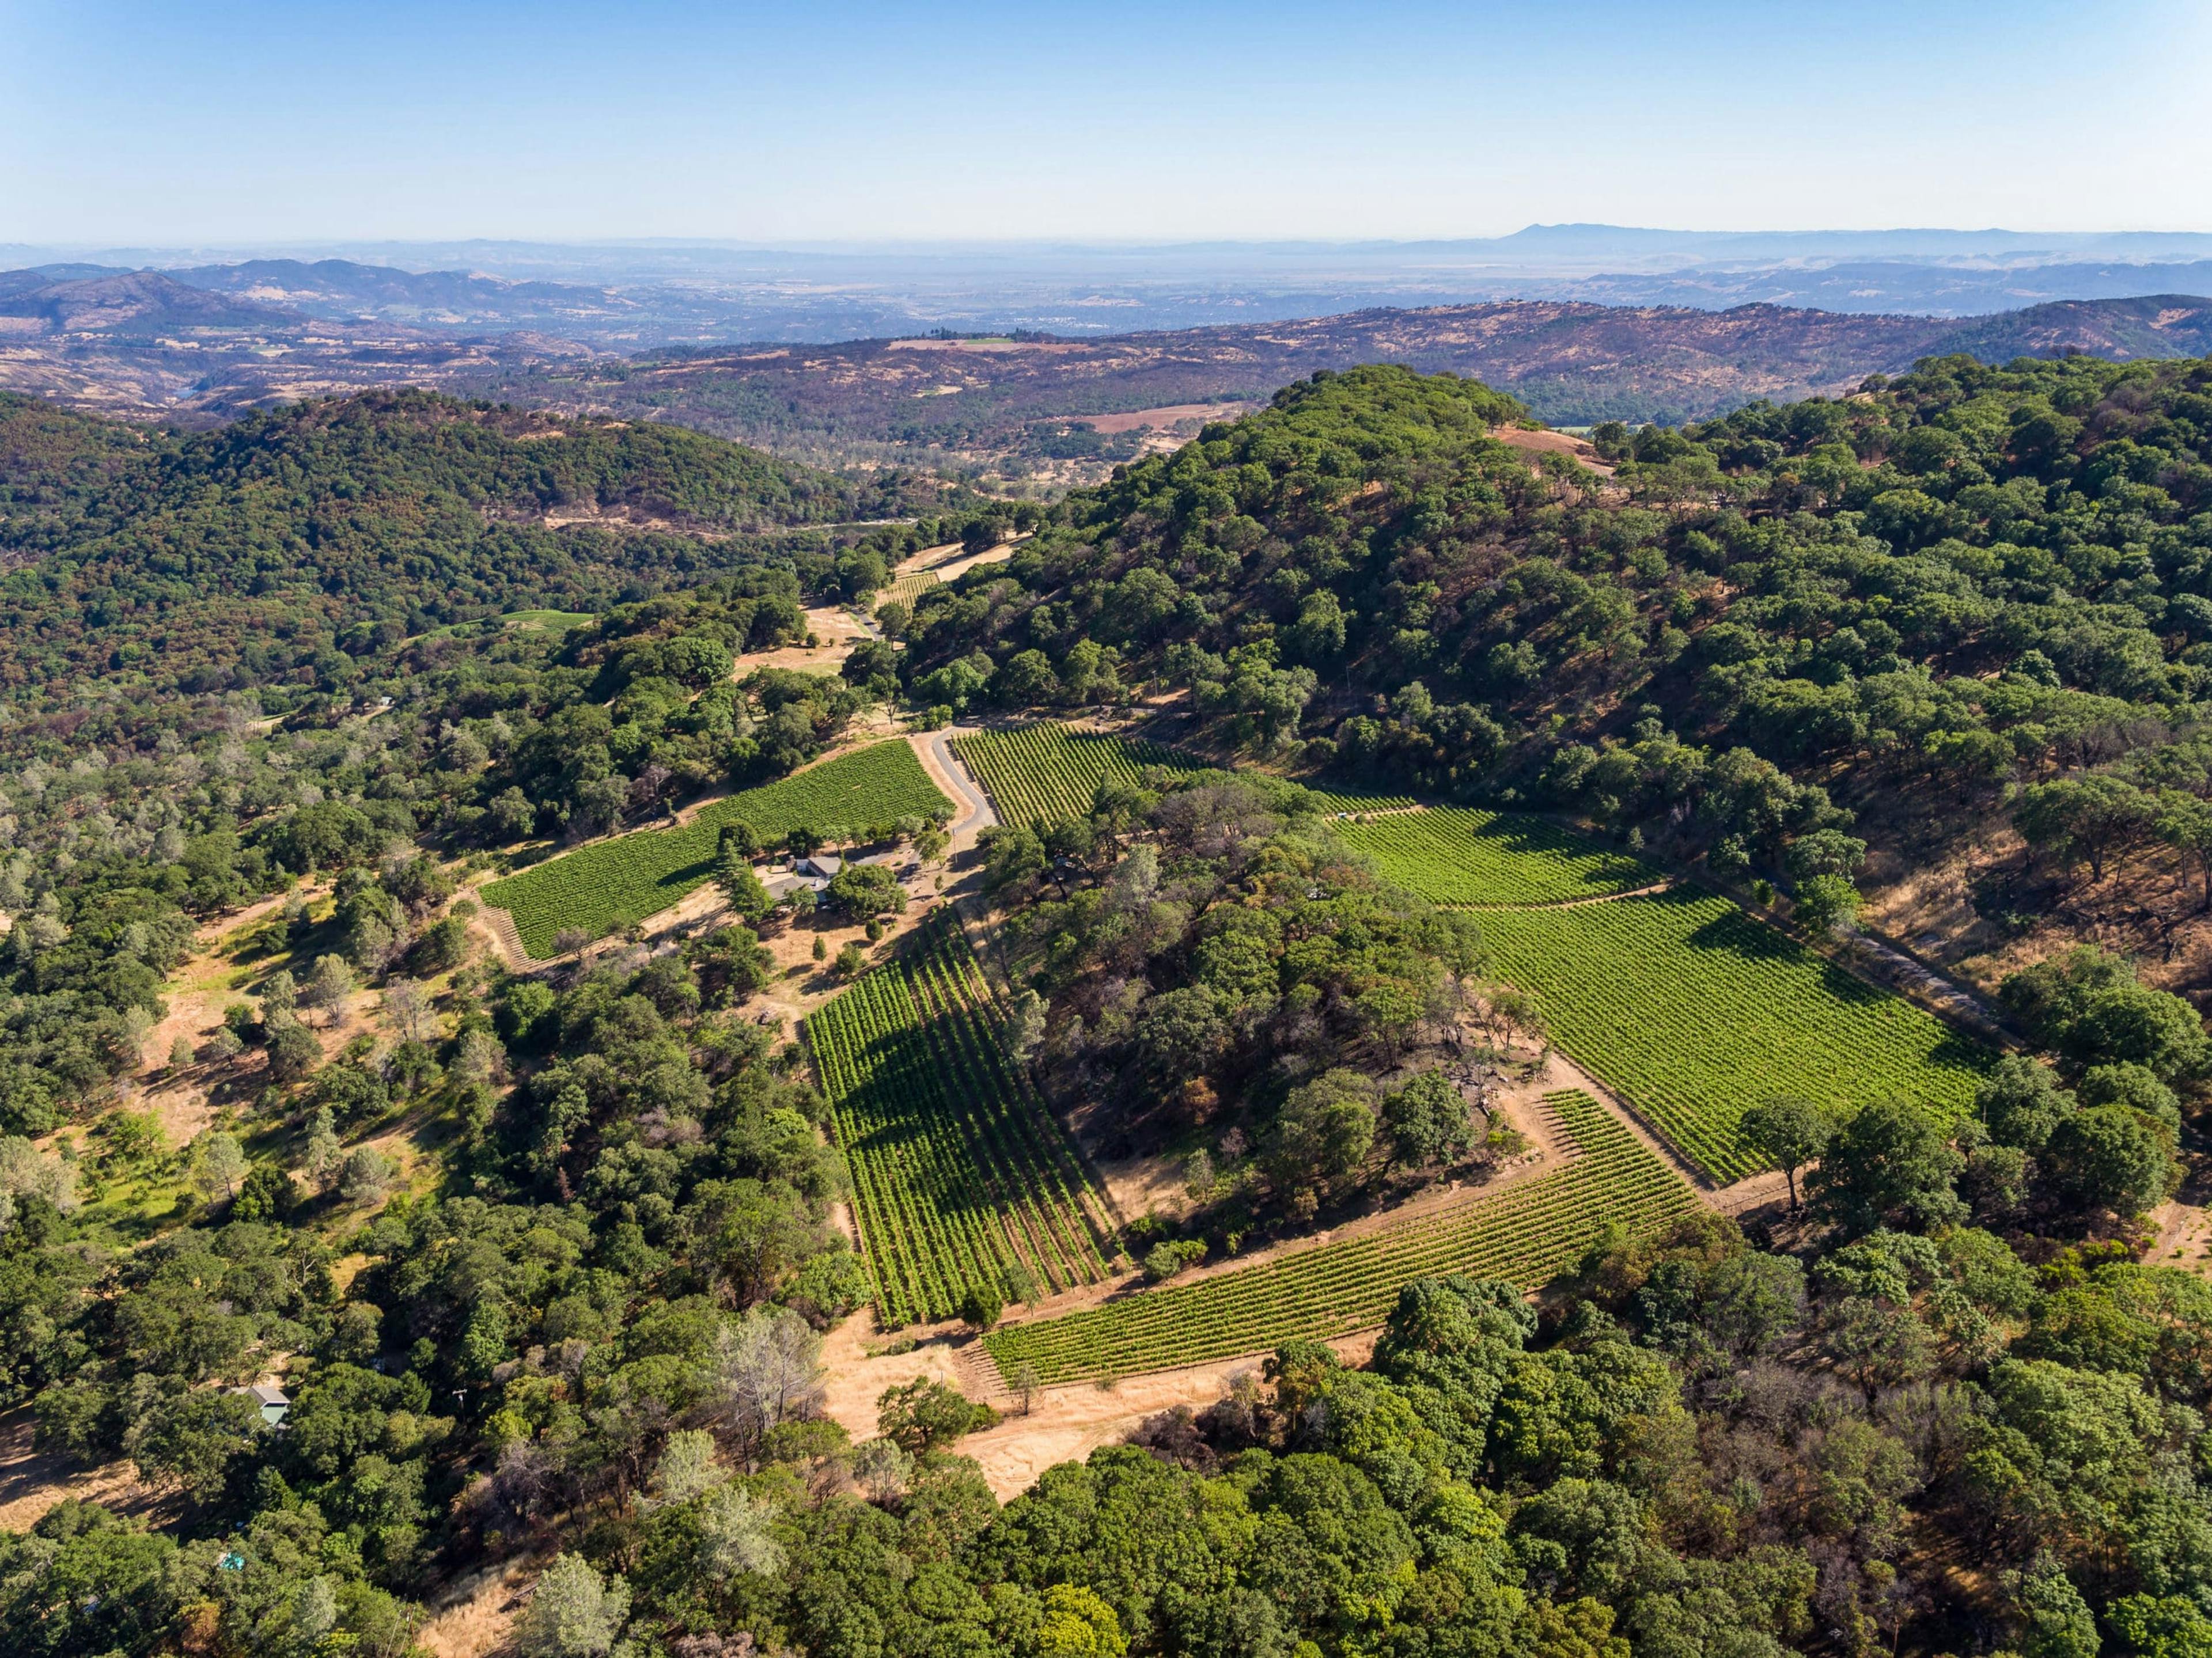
1146, 1186
1064, 1425
31, 1481
474, 1617
2185, 1237
835, 632
1163, 419
1548, 442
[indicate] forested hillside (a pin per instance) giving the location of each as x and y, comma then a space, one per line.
1902, 604
293, 552
549, 1263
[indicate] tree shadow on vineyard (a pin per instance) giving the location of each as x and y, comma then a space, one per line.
1522, 836
1736, 934
1754, 941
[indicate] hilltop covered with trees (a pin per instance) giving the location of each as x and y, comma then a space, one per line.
295, 554
1900, 603
1944, 1403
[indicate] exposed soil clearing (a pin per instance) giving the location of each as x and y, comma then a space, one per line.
1548, 442
1163, 419
31, 1481
2185, 1237
1064, 1423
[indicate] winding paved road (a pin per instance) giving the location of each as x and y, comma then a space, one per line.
979, 816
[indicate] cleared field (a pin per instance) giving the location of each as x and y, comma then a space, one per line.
548, 620
1048, 774
959, 1172
1693, 1012
1456, 855
617, 881
1528, 1234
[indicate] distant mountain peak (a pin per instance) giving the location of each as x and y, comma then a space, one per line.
132, 303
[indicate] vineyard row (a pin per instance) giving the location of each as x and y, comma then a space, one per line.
1527, 1234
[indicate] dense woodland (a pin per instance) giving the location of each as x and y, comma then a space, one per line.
297, 554
1946, 1406
1965, 580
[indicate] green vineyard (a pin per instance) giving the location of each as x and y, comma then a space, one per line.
1355, 805
1456, 855
1048, 773
1529, 1233
906, 589
613, 883
1693, 1011
959, 1172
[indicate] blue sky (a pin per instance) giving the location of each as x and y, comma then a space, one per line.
190, 122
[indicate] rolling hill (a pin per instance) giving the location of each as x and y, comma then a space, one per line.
1024, 404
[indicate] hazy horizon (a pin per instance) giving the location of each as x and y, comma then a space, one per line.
254, 124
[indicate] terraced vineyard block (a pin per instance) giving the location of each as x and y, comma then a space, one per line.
614, 883
1528, 1234
959, 1171
1693, 1012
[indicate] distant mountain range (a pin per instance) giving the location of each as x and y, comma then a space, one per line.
197, 343
637, 295
139, 305
1042, 406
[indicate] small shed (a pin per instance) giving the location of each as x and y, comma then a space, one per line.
271, 1400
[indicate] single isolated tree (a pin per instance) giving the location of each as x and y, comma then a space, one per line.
407, 1009
923, 1414
736, 1528
690, 1466
478, 1056
864, 889
1429, 1122
742, 888
280, 993
1893, 1164
1025, 1028
982, 1306
329, 984
365, 1175
573, 1613
882, 1468
1789, 1133
218, 1165
292, 1050
1827, 904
